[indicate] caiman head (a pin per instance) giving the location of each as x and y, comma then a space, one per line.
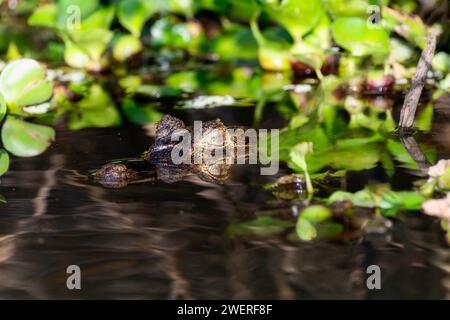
211, 145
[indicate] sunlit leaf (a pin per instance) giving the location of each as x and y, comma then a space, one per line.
316, 214
306, 231
125, 47
347, 8
23, 82
44, 16
68, 9
354, 35
297, 16
24, 139
4, 161
363, 198
3, 107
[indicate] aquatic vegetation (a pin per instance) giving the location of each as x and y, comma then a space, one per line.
23, 86
333, 70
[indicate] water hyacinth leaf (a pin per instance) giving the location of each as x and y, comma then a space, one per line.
363, 198
97, 97
316, 214
23, 82
400, 154
3, 107
140, 114
103, 117
94, 42
347, 8
125, 47
39, 92
407, 200
354, 35
306, 231
358, 158
100, 19
297, 16
237, 42
44, 16
187, 81
133, 14
274, 59
441, 62
425, 118
75, 56
4, 161
69, 9
24, 139
272, 55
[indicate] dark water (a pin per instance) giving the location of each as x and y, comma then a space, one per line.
159, 241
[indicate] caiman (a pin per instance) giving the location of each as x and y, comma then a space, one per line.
157, 162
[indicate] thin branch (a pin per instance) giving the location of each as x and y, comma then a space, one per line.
409, 108
416, 153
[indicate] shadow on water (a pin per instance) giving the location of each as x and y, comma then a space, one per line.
158, 240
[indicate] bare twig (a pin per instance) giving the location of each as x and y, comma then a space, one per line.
416, 153
408, 112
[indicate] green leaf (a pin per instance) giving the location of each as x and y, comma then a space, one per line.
297, 16
425, 118
140, 115
100, 19
441, 62
24, 139
329, 230
4, 161
92, 43
102, 117
316, 214
406, 200
363, 198
96, 109
347, 8
68, 8
236, 42
125, 47
305, 230
23, 82
44, 16
3, 107
354, 35
133, 14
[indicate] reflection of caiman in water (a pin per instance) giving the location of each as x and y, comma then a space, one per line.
157, 162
